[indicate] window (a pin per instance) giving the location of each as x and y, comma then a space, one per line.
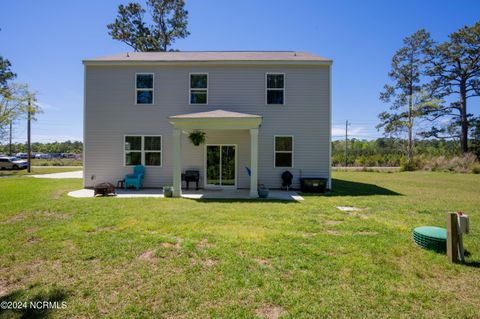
283, 151
145, 150
275, 88
144, 88
199, 88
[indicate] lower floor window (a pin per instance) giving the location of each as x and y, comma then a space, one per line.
283, 152
143, 150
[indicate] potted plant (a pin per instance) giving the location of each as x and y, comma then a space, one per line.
262, 191
168, 191
197, 137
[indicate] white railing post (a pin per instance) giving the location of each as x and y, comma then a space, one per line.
254, 162
177, 162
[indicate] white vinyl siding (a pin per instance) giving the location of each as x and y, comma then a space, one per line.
142, 150
109, 115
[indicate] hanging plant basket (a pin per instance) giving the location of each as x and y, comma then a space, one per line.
197, 137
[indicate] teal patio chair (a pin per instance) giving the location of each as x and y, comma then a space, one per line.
135, 179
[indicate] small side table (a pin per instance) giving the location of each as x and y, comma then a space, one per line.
121, 184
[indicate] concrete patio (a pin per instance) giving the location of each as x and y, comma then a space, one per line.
193, 194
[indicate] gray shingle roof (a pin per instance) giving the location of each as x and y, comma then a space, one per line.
209, 56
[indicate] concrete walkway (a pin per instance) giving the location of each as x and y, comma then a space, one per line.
192, 194
74, 174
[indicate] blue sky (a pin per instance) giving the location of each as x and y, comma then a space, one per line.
47, 40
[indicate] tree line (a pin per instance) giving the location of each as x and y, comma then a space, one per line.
75, 147
390, 151
430, 86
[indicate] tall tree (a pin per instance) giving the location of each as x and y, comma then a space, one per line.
455, 68
11, 105
406, 96
170, 22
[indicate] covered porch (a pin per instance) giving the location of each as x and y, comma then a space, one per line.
217, 120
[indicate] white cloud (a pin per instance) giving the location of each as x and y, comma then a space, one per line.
47, 107
353, 131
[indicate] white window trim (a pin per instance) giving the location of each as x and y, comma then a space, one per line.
275, 150
143, 151
190, 87
152, 89
275, 89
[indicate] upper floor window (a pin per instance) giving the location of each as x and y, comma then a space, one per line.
275, 88
144, 88
198, 88
283, 151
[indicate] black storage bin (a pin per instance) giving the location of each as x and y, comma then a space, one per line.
313, 184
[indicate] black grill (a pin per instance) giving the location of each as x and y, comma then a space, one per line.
191, 176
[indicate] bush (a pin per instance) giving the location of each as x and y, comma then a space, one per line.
407, 165
467, 163
476, 169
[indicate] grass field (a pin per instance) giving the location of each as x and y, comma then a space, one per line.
57, 162
181, 258
37, 170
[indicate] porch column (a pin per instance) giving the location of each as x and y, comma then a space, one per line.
254, 162
177, 162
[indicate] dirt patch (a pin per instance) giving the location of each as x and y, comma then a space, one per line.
31, 230
13, 219
355, 214
333, 222
33, 240
203, 244
149, 255
366, 233
4, 288
348, 208
333, 232
204, 262
57, 194
264, 263
308, 235
176, 245
270, 312
49, 214
209, 262
101, 229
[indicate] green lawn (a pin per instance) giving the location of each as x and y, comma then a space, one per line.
180, 258
39, 170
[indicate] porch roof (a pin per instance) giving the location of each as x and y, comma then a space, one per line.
217, 119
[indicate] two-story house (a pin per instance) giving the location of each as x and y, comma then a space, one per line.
269, 112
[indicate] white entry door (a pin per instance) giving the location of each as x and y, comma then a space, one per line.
220, 165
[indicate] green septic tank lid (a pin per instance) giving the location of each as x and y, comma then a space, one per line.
432, 232
431, 237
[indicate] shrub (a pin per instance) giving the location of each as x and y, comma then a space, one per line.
476, 169
407, 165
459, 164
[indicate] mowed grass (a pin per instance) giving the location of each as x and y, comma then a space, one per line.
180, 258
37, 170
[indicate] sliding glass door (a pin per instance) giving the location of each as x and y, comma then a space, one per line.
220, 165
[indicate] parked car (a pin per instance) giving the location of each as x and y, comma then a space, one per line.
42, 156
21, 155
12, 163
68, 155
